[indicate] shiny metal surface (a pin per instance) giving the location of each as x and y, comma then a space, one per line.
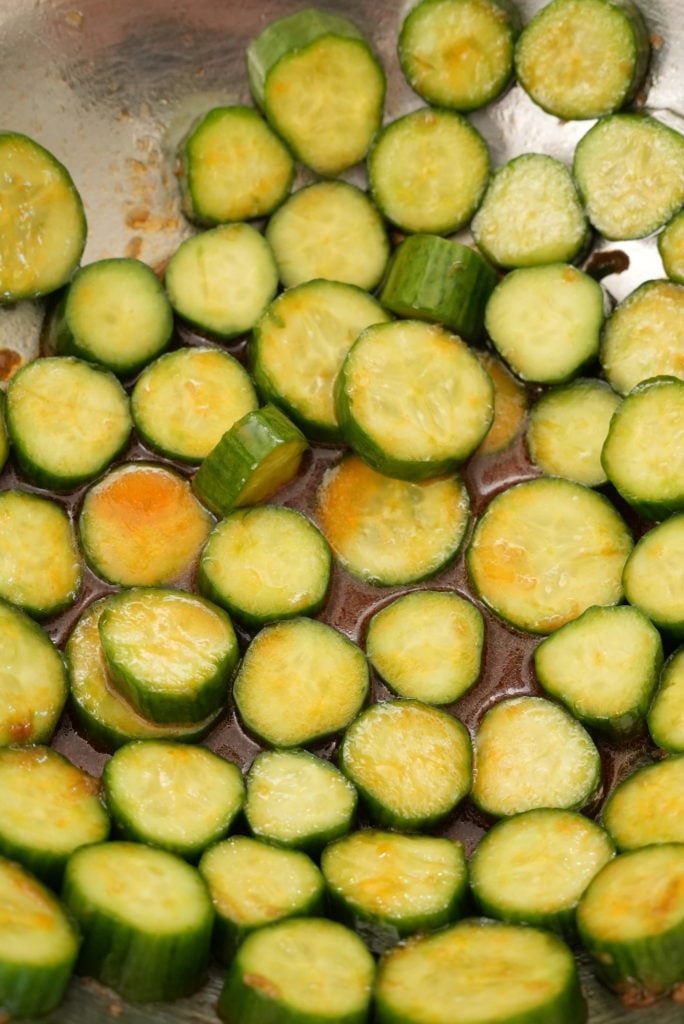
110, 86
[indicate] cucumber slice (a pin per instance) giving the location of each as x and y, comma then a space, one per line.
410, 762
532, 868
40, 567
459, 53
531, 753
643, 454
580, 59
44, 225
439, 280
652, 575
491, 971
48, 809
146, 919
329, 230
567, 427
671, 248
260, 453
428, 171
4, 439
531, 214
33, 682
67, 420
184, 402
104, 716
297, 800
629, 170
666, 714
128, 515
38, 945
510, 405
546, 321
221, 280
321, 87
387, 531
427, 645
175, 796
253, 884
233, 167
604, 667
647, 807
298, 346
114, 313
270, 978
631, 920
644, 337
300, 681
387, 886
238, 571
170, 653
546, 550
447, 400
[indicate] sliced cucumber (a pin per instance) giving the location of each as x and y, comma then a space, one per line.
530, 214
427, 645
38, 945
428, 171
489, 970
546, 321
387, 886
169, 652
238, 571
666, 714
388, 531
260, 453
567, 427
320, 85
546, 550
459, 53
114, 313
652, 575
329, 230
270, 978
127, 517
671, 248
298, 346
410, 762
510, 405
604, 666
67, 420
297, 800
146, 919
43, 223
40, 567
300, 681
647, 807
233, 167
531, 753
580, 59
186, 400
252, 884
533, 867
4, 439
439, 280
221, 280
48, 809
629, 170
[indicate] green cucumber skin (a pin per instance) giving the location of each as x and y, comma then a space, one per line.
214, 594
35, 991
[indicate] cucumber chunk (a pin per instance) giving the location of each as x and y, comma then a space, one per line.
652, 575
146, 919
388, 531
648, 806
510, 405
300, 681
43, 224
332, 231
252, 884
410, 762
531, 753
666, 714
671, 248
297, 800
546, 550
233, 167
459, 53
428, 171
644, 336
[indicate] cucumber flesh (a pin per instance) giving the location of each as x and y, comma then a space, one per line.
644, 337
647, 807
652, 574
